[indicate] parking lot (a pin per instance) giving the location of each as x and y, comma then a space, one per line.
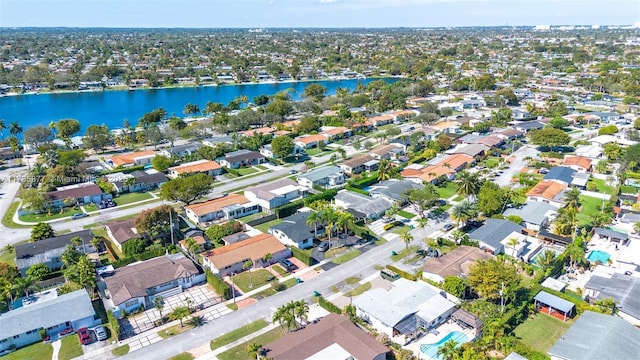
197, 298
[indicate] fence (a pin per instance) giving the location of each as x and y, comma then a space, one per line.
262, 220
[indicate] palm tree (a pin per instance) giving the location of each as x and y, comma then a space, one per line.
464, 211
180, 313
248, 265
255, 349
384, 170
468, 184
312, 220
513, 242
15, 128
572, 198
346, 221
3, 127
51, 158
330, 216
267, 258
195, 321
406, 237
343, 153
284, 316
158, 304
547, 259
448, 350
301, 310
422, 223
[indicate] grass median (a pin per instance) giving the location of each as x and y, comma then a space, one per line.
238, 333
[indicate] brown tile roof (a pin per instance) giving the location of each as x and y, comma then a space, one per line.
357, 160
308, 139
130, 158
583, 162
445, 125
253, 248
490, 140
263, 130
332, 329
381, 118
456, 160
123, 230
383, 149
196, 167
547, 189
133, 280
456, 262
433, 172
77, 192
335, 131
218, 204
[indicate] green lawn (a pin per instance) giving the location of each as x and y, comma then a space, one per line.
70, 348
590, 206
406, 214
90, 207
627, 189
260, 167
601, 186
491, 162
40, 351
400, 229
264, 227
182, 356
7, 219
257, 277
447, 191
359, 290
404, 253
122, 350
236, 334
56, 214
246, 171
280, 270
270, 291
541, 331
173, 330
131, 197
350, 255
240, 352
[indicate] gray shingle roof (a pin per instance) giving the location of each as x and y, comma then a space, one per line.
561, 173
68, 307
295, 227
493, 231
45, 250
612, 234
597, 336
533, 212
320, 173
393, 189
622, 288
554, 301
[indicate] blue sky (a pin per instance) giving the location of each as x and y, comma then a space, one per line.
314, 13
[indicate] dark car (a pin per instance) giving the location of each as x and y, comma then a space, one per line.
288, 265
324, 246
85, 337
79, 215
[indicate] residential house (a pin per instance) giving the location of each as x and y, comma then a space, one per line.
264, 131
137, 284
294, 230
596, 336
535, 215
602, 140
132, 159
471, 104
455, 263
309, 141
217, 140
362, 206
231, 206
333, 337
325, 176
446, 166
526, 126
53, 314
393, 190
629, 256
208, 167
121, 231
560, 174
447, 127
242, 158
491, 234
358, 164
267, 151
615, 237
80, 194
623, 289
550, 192
470, 149
404, 309
180, 150
386, 152
275, 193
335, 133
230, 259
608, 117
49, 251
510, 134
137, 181
578, 163
382, 119
490, 141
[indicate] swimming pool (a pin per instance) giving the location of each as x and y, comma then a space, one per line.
431, 350
598, 255
539, 253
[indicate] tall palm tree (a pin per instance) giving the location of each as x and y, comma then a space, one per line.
312, 220
15, 128
422, 223
180, 313
547, 259
301, 311
384, 170
468, 184
346, 221
572, 198
407, 238
464, 211
158, 304
513, 242
330, 217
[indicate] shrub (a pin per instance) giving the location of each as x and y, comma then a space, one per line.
302, 255
402, 273
115, 325
288, 209
392, 224
608, 130
328, 305
326, 195
233, 172
222, 288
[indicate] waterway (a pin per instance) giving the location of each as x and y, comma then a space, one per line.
113, 107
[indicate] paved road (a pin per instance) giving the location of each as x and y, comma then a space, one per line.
361, 266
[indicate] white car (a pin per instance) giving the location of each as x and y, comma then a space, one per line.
101, 332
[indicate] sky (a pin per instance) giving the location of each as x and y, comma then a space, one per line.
314, 13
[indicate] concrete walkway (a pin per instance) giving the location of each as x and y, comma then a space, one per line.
56, 349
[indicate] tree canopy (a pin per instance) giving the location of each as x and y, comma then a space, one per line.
41, 231
486, 278
282, 146
187, 189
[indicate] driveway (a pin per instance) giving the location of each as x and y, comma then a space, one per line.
516, 165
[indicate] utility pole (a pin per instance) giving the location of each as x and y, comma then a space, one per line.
502, 298
171, 225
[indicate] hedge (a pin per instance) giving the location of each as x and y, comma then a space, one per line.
302, 256
328, 305
326, 195
233, 171
115, 325
357, 190
392, 224
363, 233
364, 182
291, 208
222, 288
402, 273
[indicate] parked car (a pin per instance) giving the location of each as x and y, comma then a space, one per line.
101, 333
85, 337
324, 246
293, 171
288, 265
79, 215
447, 227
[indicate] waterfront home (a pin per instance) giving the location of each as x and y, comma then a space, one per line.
231, 206
137, 284
241, 158
121, 231
78, 194
51, 313
204, 166
231, 259
48, 251
325, 176
275, 193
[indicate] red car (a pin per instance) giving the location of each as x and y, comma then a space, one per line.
84, 336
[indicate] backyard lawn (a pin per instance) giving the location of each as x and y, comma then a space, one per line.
446, 191
236, 334
36, 351
541, 331
240, 352
131, 197
628, 189
264, 227
256, 277
601, 186
492, 162
590, 206
70, 348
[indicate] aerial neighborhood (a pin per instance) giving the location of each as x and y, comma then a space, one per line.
476, 199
